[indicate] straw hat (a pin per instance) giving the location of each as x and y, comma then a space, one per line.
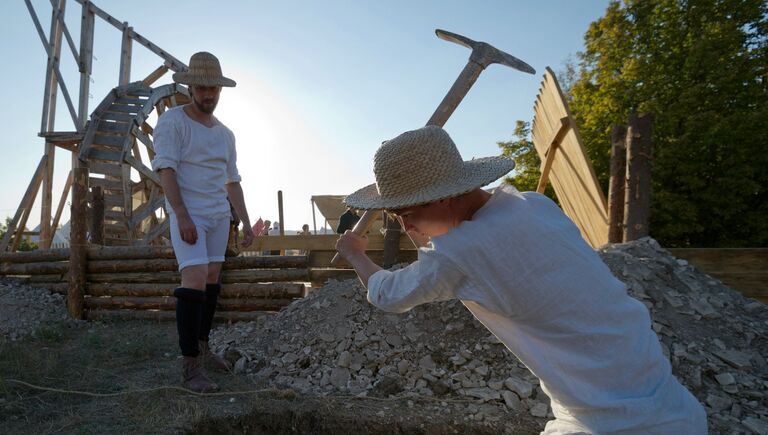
422, 166
204, 70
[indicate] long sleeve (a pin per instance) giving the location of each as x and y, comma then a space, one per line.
432, 278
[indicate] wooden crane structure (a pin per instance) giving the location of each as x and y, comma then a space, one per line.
107, 144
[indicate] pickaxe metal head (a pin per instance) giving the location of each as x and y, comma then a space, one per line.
485, 54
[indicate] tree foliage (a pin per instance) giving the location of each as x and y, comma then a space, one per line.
702, 67
25, 244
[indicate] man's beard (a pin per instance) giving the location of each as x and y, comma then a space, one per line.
206, 106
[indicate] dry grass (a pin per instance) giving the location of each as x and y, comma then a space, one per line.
104, 358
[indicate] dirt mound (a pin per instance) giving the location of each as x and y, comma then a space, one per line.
334, 343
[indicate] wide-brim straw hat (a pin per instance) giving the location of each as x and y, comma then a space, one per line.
421, 166
204, 70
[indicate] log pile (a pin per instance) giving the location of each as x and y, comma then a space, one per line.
137, 282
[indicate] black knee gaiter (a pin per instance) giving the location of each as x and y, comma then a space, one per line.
209, 308
189, 314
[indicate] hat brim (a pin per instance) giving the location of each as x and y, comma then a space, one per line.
475, 173
185, 78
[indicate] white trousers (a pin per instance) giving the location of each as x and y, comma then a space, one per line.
212, 237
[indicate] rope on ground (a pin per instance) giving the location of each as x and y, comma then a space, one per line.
285, 393
143, 390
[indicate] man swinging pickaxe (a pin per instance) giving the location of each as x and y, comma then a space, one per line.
482, 55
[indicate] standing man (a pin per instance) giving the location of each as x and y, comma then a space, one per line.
197, 163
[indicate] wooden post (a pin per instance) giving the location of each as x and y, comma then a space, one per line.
391, 241
314, 222
280, 216
85, 62
78, 247
62, 201
48, 120
638, 191
97, 215
51, 81
617, 184
46, 232
125, 55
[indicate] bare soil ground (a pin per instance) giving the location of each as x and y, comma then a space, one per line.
130, 372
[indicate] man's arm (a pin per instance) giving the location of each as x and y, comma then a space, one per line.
235, 193
187, 227
352, 248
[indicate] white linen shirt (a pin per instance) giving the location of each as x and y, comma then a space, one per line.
204, 159
523, 270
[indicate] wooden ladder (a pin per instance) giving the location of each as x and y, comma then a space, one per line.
117, 129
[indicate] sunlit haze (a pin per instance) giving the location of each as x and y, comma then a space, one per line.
319, 84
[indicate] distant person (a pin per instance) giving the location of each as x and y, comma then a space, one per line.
521, 267
347, 221
197, 163
275, 231
258, 227
304, 232
265, 232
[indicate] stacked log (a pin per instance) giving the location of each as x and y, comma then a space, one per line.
138, 282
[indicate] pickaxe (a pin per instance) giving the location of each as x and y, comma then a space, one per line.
482, 55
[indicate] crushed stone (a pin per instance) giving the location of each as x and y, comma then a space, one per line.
333, 342
25, 309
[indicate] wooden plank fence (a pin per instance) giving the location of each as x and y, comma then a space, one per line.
743, 269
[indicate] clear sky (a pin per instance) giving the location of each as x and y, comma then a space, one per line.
320, 83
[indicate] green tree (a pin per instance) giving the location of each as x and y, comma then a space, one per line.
527, 162
702, 67
25, 244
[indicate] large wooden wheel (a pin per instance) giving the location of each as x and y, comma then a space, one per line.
117, 147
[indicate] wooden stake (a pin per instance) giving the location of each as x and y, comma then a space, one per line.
78, 250
638, 191
314, 222
617, 184
280, 216
46, 233
97, 215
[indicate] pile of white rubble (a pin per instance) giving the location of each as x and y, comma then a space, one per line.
334, 342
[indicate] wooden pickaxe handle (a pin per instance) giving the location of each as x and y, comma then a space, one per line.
482, 55
361, 227
444, 111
